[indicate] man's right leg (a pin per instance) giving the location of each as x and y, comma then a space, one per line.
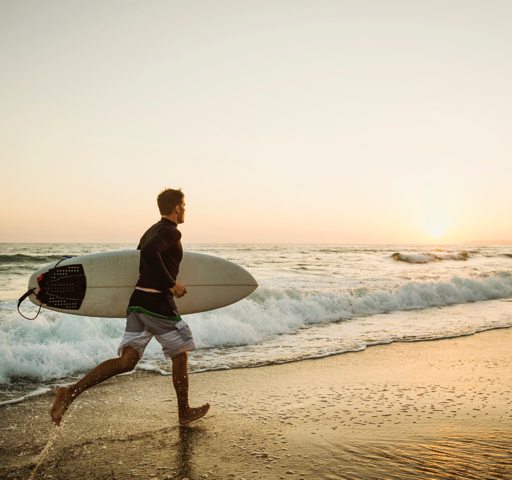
109, 368
186, 414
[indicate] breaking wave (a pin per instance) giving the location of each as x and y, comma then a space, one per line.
428, 257
29, 260
270, 312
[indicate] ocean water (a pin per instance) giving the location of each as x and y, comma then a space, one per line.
313, 301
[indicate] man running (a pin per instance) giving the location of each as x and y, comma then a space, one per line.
151, 312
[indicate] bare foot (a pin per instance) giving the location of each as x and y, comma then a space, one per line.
63, 400
194, 414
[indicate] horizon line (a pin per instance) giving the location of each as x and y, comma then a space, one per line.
475, 243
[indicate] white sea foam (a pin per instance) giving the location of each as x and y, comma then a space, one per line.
58, 345
35, 393
273, 312
55, 345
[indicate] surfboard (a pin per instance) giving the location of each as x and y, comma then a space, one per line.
100, 285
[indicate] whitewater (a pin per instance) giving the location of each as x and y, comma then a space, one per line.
313, 301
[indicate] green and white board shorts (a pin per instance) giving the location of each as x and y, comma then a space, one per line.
142, 325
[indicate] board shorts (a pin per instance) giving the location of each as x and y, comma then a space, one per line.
152, 314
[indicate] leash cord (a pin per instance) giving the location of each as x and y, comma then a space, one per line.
30, 291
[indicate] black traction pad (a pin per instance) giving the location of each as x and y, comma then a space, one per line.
63, 287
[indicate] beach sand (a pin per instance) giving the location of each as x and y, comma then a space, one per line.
438, 409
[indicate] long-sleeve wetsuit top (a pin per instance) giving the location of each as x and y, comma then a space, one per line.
160, 256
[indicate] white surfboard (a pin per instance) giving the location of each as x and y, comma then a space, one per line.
100, 285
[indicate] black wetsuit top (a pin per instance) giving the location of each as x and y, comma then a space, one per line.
160, 256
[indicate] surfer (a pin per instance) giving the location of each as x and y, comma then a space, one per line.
151, 313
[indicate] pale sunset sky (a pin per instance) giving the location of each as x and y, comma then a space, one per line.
283, 121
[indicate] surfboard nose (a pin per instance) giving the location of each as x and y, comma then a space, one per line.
243, 277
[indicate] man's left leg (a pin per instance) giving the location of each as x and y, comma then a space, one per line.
180, 381
109, 368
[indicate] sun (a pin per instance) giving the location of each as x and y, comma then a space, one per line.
435, 233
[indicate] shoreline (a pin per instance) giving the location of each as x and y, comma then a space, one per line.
399, 410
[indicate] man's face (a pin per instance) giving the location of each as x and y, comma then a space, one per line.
181, 213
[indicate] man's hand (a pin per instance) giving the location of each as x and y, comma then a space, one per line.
178, 290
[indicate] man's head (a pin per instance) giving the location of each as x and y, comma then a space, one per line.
172, 202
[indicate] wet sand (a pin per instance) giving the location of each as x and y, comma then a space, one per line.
436, 410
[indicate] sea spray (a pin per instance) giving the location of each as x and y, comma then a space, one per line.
46, 450
53, 435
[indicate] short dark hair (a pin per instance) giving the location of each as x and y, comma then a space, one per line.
168, 199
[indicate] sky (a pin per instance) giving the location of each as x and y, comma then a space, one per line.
283, 121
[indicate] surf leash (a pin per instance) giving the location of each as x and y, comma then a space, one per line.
20, 301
